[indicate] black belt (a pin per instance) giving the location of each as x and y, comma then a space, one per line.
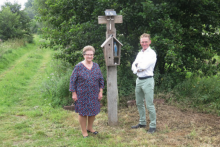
141, 78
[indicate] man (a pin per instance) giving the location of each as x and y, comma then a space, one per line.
143, 66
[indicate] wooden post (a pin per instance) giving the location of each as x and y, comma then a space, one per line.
112, 88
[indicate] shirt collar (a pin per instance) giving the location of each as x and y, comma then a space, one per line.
146, 49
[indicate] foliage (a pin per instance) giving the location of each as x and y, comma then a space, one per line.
14, 22
29, 3
34, 25
56, 86
183, 34
30, 12
8, 24
200, 91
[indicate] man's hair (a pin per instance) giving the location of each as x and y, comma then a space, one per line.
88, 48
145, 35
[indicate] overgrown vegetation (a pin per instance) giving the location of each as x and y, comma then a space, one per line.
184, 34
10, 51
10, 44
200, 93
14, 23
56, 86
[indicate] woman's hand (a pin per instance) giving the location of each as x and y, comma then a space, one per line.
100, 95
74, 96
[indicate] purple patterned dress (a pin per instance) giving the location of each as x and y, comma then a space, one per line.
86, 83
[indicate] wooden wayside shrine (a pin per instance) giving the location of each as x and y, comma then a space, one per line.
112, 51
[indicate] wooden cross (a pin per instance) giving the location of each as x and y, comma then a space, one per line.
112, 88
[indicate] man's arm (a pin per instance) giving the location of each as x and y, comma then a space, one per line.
147, 62
135, 65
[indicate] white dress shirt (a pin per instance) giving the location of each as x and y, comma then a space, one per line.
145, 61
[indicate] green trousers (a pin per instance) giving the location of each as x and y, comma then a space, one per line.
145, 91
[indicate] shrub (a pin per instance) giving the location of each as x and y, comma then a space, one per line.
200, 92
56, 87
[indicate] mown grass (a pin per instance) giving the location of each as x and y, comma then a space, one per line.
26, 120
27, 117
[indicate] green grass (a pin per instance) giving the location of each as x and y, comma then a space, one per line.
25, 119
200, 93
6, 47
9, 53
26, 115
28, 119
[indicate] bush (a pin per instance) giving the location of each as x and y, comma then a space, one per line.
56, 87
29, 38
200, 92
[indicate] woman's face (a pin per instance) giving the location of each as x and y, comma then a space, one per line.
88, 56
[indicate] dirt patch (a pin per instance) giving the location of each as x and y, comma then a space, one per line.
175, 127
188, 127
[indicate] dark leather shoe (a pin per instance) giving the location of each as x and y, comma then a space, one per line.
151, 130
95, 133
138, 126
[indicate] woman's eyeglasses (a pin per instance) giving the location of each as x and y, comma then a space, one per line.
89, 55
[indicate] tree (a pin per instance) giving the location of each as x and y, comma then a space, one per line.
183, 34
19, 28
29, 9
9, 24
29, 3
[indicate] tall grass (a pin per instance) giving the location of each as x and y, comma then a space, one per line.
12, 50
201, 93
10, 45
56, 86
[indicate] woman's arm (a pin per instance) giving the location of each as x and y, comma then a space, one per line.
100, 94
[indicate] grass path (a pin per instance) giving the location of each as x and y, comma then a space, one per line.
28, 120
18, 61
23, 116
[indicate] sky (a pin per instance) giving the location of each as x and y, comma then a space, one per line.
21, 2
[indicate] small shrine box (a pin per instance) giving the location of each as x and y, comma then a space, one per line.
112, 51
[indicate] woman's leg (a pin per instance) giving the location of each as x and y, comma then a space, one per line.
83, 121
90, 123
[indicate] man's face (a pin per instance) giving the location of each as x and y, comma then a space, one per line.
145, 42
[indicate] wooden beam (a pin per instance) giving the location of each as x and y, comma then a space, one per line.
103, 19
112, 95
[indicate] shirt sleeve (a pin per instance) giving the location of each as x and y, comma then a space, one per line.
134, 68
147, 62
73, 80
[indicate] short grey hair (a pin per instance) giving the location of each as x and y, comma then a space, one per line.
88, 48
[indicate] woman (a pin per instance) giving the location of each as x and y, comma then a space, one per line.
86, 85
